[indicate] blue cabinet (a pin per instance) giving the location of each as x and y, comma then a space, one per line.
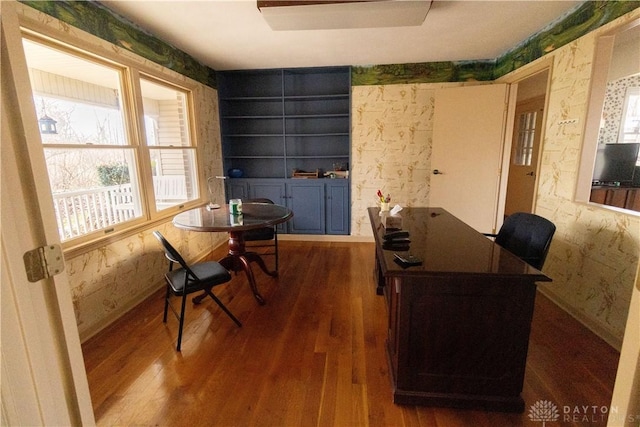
338, 206
306, 199
279, 121
272, 189
237, 189
320, 206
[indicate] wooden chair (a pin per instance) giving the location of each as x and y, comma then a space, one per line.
262, 235
187, 279
526, 235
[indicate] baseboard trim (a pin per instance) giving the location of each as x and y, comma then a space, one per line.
115, 315
594, 327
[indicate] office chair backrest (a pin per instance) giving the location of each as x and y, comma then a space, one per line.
528, 236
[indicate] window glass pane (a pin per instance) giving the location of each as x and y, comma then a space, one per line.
165, 115
78, 106
77, 101
93, 189
166, 123
631, 116
174, 176
524, 139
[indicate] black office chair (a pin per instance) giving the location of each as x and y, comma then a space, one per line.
187, 279
263, 235
526, 235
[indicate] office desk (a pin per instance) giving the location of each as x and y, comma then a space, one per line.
254, 215
459, 323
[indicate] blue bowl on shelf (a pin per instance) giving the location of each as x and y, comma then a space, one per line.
235, 173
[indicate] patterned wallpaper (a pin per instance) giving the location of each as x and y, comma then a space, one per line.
392, 127
613, 108
594, 255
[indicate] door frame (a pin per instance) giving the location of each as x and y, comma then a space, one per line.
514, 79
537, 145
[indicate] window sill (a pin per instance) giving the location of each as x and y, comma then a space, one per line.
73, 251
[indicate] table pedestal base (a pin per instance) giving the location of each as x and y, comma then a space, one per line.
239, 259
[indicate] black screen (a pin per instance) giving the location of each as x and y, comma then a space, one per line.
616, 163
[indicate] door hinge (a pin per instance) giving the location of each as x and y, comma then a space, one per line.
43, 262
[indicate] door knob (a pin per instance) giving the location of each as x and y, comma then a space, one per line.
531, 174
437, 172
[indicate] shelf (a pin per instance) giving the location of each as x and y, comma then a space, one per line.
254, 135
291, 118
335, 156
254, 157
280, 117
316, 134
252, 98
316, 97
316, 116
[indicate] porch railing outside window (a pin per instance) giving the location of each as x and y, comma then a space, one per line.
84, 211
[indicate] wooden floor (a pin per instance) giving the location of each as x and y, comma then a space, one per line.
313, 355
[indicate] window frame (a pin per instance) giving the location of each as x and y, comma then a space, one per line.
133, 115
603, 53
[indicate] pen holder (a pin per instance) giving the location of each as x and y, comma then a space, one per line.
384, 206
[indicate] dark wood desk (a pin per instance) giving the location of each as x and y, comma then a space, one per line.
254, 215
459, 323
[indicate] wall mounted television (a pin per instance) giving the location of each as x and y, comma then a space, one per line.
616, 164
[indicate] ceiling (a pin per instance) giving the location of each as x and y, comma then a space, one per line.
233, 34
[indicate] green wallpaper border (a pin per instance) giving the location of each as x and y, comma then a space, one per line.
585, 18
94, 18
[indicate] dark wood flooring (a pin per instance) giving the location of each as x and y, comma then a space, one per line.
313, 355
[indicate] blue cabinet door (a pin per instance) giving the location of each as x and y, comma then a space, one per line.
337, 206
306, 199
273, 190
237, 188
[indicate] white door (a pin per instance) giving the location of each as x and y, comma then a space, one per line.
43, 376
524, 156
467, 157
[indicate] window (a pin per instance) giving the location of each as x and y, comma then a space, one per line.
630, 123
525, 138
103, 176
173, 157
609, 165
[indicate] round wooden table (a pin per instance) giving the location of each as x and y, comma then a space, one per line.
254, 215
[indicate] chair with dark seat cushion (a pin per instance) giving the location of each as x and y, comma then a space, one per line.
262, 235
202, 276
526, 235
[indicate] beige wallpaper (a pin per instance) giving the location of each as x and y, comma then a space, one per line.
594, 255
392, 127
